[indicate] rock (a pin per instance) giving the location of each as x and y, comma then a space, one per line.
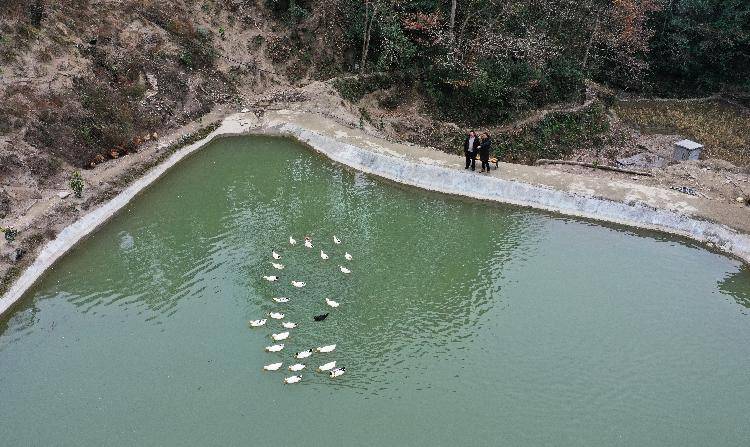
643, 160
61, 29
245, 110
4, 203
153, 84
741, 200
16, 254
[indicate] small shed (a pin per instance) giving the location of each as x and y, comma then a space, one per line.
687, 150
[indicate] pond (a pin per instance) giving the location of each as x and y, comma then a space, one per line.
462, 322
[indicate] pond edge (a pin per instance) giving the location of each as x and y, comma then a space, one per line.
421, 175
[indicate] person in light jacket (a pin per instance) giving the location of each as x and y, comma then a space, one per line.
470, 150
484, 152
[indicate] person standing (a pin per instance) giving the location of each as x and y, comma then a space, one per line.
484, 152
470, 150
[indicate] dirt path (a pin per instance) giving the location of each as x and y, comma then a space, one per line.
541, 114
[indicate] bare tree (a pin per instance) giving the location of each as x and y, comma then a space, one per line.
370, 13
591, 40
452, 22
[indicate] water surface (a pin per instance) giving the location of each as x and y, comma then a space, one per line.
463, 323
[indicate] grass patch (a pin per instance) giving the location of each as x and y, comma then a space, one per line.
723, 128
355, 88
554, 137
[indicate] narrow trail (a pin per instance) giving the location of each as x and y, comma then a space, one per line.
539, 115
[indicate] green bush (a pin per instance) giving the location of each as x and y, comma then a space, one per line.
186, 59
112, 117
76, 184
502, 90
10, 233
198, 52
296, 12
396, 51
354, 88
288, 10
553, 137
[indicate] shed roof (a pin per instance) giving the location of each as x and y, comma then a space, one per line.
688, 144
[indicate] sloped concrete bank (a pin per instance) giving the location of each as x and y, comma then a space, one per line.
429, 176
450, 181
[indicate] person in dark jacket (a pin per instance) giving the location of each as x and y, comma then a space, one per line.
484, 152
470, 150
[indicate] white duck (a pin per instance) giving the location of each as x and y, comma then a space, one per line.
296, 367
257, 323
280, 336
281, 299
327, 348
344, 270
328, 366
337, 372
332, 303
336, 240
323, 255
271, 278
348, 256
276, 315
275, 255
289, 325
273, 366
277, 266
298, 284
304, 354
275, 348
308, 242
292, 241
293, 379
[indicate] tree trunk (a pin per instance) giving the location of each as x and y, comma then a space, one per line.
364, 39
368, 33
591, 41
452, 22
460, 42
544, 161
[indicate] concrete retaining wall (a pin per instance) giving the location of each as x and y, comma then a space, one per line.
426, 176
452, 181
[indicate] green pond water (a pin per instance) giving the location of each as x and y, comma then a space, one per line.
463, 323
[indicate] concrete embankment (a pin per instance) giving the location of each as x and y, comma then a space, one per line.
569, 194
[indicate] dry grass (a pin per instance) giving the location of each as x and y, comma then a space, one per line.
723, 128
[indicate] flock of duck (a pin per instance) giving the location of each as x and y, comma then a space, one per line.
329, 367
